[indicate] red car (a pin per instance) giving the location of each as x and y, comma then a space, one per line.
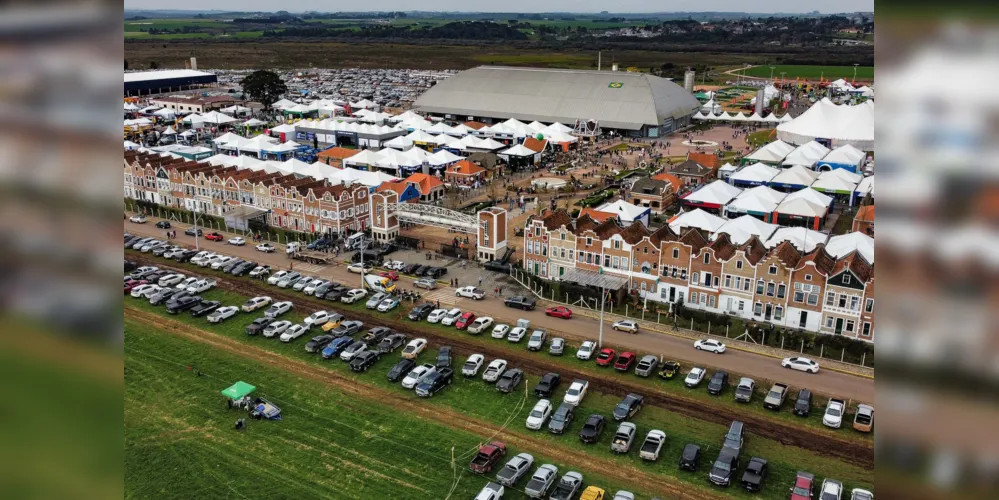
489, 455
465, 320
804, 486
130, 284
214, 237
624, 361
392, 275
559, 312
606, 357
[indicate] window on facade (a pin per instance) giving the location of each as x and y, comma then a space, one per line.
571, 256
693, 297
562, 236
738, 264
781, 290
778, 313
589, 241
830, 299
842, 301
616, 261
728, 281
846, 279
537, 231
683, 274
607, 261
694, 276
869, 306
758, 309
849, 325
813, 299
867, 330
759, 287
799, 296
742, 305
707, 258
645, 250
770, 289
589, 258
544, 249
676, 253
715, 282
829, 322
646, 268
773, 270
808, 277
617, 244
624, 263
562, 253
854, 303
711, 301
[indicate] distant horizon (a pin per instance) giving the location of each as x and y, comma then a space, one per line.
840, 7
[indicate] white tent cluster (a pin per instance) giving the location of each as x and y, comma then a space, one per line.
811, 154
260, 144
741, 229
763, 200
840, 124
741, 117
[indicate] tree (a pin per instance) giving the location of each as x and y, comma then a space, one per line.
154, 65
265, 87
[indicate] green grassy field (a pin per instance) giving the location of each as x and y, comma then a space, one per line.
478, 400
830, 73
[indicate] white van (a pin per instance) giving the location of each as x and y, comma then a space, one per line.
293, 247
354, 241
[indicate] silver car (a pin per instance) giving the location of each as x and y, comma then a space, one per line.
289, 279
557, 346
427, 283
541, 481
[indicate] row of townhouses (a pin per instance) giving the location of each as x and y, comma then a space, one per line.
290, 202
811, 291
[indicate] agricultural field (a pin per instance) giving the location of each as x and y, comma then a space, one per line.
865, 73
287, 373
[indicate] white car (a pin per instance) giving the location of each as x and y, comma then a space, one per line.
138, 219
491, 491
353, 296
494, 370
265, 247
834, 414
480, 325
451, 317
278, 276
517, 334
395, 265
585, 351
317, 318
220, 262
710, 345
276, 328
201, 286
256, 303
436, 315
473, 365
387, 304
500, 331
304, 282
356, 268
695, 377
223, 313
171, 279
801, 364
414, 348
202, 256
470, 292
278, 308
353, 350
237, 241
624, 495
293, 332
576, 392
375, 300
539, 415
626, 325
187, 282
260, 271
140, 291
416, 375
831, 490
311, 289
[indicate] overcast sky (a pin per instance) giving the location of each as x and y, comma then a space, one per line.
765, 6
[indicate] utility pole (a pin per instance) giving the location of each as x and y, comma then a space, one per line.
197, 246
772, 72
363, 247
855, 72
603, 299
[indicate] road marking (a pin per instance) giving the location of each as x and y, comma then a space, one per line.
312, 268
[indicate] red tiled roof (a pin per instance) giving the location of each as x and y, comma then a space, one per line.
787, 254
723, 247
670, 178
465, 167
535, 145
709, 160
425, 183
824, 262
597, 215
338, 153
556, 219
857, 265
397, 187
474, 125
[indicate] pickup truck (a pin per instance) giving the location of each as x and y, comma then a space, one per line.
489, 455
756, 472
775, 398
623, 438
744, 391
653, 445
834, 413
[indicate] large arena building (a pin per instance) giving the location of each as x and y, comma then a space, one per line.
141, 83
632, 104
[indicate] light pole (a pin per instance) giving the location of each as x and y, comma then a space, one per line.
772, 72
603, 298
197, 245
855, 72
363, 246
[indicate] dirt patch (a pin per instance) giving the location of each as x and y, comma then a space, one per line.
822, 443
620, 473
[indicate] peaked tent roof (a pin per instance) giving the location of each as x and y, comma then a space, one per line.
830, 182
842, 245
238, 390
518, 150
843, 124
696, 218
756, 173
795, 176
759, 199
845, 155
806, 155
443, 157
805, 202
866, 186
804, 239
741, 229
775, 152
718, 193
626, 211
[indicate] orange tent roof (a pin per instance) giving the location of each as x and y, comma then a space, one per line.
465, 167
535, 145
709, 160
338, 153
398, 187
597, 215
475, 125
425, 183
866, 213
670, 178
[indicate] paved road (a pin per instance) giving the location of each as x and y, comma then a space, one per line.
671, 347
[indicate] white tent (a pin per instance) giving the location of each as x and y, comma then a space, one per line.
866, 91
227, 138
843, 174
559, 137
217, 118
771, 118
845, 156
536, 127
786, 118
844, 244
759, 199
443, 157
829, 182
716, 193
236, 109
804, 239
364, 104
806, 155
284, 128
165, 113
365, 157
284, 147
169, 131
518, 150
489, 144
726, 170
148, 109
253, 122
559, 128
794, 176
740, 230
755, 174
439, 128
627, 212
696, 218
407, 116
129, 145
726, 116
284, 104
460, 130
421, 136
755, 117
805, 202
193, 118
842, 124
739, 117
400, 143
866, 186
187, 133
699, 116
131, 107
448, 141
775, 152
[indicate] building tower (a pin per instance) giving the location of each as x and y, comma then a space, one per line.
384, 222
688, 80
491, 234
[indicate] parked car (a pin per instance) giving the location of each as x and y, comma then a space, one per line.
163, 295
353, 296
494, 370
861, 494
358, 268
801, 364
521, 302
593, 427
347, 328
735, 436
317, 284
394, 265
375, 299
414, 348
214, 236
561, 419
470, 292
488, 456
223, 313
559, 312
593, 493
547, 385
318, 343
585, 350
472, 365
237, 241
388, 303
690, 457
695, 377
436, 315
514, 469
606, 357
623, 437
567, 486
500, 331
392, 275
755, 474
278, 308
863, 421
537, 340
623, 495
376, 334
444, 357
624, 361
175, 306
317, 318
293, 332
710, 345
425, 283
652, 445
353, 349
626, 325
265, 247
646, 366
276, 328
510, 380
541, 481
539, 414
391, 342
194, 232
744, 391
336, 346
831, 490
516, 334
420, 312
775, 398
804, 486
138, 219
278, 276
416, 375
724, 467
258, 325
401, 369
289, 279
480, 325
833, 417
171, 279
576, 392
628, 406
718, 382
434, 383
803, 403
451, 317
260, 271
364, 360
465, 320
255, 303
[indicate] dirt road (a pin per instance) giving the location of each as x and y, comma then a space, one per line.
675, 347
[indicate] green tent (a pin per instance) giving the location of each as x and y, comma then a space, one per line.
238, 390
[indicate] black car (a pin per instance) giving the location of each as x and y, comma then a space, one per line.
375, 335
334, 293
401, 369
175, 305
155, 276
258, 325
592, 429
724, 467
364, 360
317, 343
185, 256
498, 266
690, 457
243, 268
130, 266
510, 380
561, 419
436, 272
232, 265
444, 357
420, 269
205, 307
434, 382
160, 250
421, 311
320, 291
163, 224
803, 404
391, 343
628, 406
718, 383
755, 473
547, 385
409, 269
163, 296
521, 302
347, 328
191, 231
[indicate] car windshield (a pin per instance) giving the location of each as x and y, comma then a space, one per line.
799, 491
622, 406
572, 391
773, 394
834, 412
722, 465
536, 413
